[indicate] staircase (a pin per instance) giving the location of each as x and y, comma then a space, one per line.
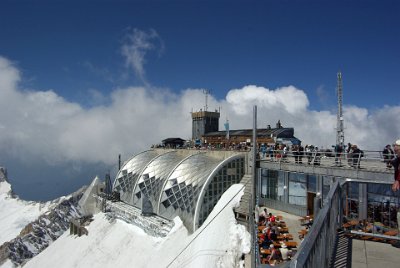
242, 212
342, 256
153, 225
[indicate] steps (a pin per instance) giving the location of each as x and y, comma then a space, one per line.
153, 225
242, 213
342, 251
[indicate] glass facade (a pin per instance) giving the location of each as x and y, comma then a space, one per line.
152, 179
297, 189
326, 185
379, 203
178, 183
273, 186
229, 174
129, 173
383, 204
269, 185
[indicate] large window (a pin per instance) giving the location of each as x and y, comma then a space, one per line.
326, 185
312, 183
351, 208
383, 204
281, 186
297, 189
269, 183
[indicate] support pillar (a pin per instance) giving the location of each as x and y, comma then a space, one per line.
362, 201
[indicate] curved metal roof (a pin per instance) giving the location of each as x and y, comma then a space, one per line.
174, 181
129, 174
153, 177
181, 190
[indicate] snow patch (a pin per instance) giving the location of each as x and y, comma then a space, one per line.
220, 242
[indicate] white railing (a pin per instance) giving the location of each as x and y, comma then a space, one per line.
369, 160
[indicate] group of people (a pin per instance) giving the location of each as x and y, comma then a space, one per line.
274, 152
269, 236
388, 155
395, 163
354, 155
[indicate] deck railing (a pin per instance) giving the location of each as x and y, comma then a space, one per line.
317, 248
369, 160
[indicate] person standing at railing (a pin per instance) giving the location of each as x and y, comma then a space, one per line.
388, 155
338, 154
356, 156
296, 153
349, 151
263, 150
316, 156
271, 152
396, 184
308, 152
301, 153
396, 166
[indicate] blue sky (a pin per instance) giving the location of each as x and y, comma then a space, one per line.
82, 81
70, 47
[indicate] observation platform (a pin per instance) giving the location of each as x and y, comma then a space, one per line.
359, 254
367, 254
347, 252
370, 168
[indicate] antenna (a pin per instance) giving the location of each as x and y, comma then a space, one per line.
206, 92
339, 126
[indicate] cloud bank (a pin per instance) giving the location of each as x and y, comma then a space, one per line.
42, 124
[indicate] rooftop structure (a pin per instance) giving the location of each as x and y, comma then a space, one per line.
204, 122
267, 135
183, 183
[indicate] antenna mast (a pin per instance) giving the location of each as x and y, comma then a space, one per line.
340, 127
206, 92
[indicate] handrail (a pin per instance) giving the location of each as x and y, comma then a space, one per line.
368, 160
316, 250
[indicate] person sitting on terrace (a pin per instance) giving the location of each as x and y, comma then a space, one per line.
274, 257
263, 215
284, 252
267, 229
271, 218
272, 236
308, 222
265, 242
275, 228
366, 226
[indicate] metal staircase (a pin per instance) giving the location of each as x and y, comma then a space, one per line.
342, 251
242, 213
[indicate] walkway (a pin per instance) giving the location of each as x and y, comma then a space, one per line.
364, 254
293, 224
369, 254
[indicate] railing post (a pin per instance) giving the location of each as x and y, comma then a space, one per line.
254, 185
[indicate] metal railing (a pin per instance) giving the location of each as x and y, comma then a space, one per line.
317, 248
369, 160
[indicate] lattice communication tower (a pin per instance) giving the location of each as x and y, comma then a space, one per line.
340, 126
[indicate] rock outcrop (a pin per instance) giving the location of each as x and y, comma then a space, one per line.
37, 235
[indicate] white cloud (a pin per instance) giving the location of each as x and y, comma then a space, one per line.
136, 44
288, 99
42, 125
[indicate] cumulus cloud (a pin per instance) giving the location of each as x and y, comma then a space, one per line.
135, 46
42, 126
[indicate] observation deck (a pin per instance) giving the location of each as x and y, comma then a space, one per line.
325, 246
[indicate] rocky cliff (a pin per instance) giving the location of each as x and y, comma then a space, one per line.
39, 234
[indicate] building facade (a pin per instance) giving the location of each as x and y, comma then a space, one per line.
182, 183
